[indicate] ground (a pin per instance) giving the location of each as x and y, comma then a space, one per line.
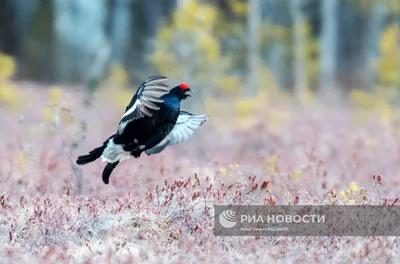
159, 209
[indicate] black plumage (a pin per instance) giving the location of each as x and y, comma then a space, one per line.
149, 122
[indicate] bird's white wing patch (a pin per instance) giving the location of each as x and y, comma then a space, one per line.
133, 108
184, 128
145, 100
114, 152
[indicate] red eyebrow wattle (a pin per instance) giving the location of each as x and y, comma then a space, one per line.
184, 86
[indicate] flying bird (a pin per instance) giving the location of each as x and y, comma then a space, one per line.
151, 122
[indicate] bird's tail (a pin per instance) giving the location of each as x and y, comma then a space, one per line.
107, 171
92, 156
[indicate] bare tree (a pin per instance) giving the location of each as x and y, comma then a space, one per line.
181, 2
254, 18
97, 68
120, 29
299, 66
78, 26
375, 24
329, 40
24, 13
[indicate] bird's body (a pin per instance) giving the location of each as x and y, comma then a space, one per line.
146, 126
152, 129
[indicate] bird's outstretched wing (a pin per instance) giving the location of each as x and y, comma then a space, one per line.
184, 128
145, 100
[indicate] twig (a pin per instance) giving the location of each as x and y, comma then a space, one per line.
75, 168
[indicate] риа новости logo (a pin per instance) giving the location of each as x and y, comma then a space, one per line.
227, 218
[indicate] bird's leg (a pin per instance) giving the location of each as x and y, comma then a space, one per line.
136, 153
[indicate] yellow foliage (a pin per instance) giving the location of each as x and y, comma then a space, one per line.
386, 113
245, 106
267, 81
51, 113
54, 113
206, 15
354, 194
232, 166
55, 95
371, 103
239, 7
121, 96
116, 90
7, 67
276, 32
261, 101
21, 160
165, 62
222, 171
311, 50
276, 118
230, 84
193, 15
189, 46
363, 98
48, 115
295, 175
272, 165
165, 33
307, 98
349, 193
262, 96
360, 116
389, 39
10, 95
246, 123
118, 75
394, 6
210, 46
353, 187
184, 21
389, 63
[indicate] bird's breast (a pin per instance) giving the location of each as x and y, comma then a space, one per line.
167, 112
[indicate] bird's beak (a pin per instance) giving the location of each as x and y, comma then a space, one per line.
186, 93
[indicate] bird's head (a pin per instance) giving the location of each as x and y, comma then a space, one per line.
182, 91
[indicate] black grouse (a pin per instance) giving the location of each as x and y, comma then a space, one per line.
151, 122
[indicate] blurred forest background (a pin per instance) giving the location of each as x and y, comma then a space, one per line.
224, 48
264, 70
